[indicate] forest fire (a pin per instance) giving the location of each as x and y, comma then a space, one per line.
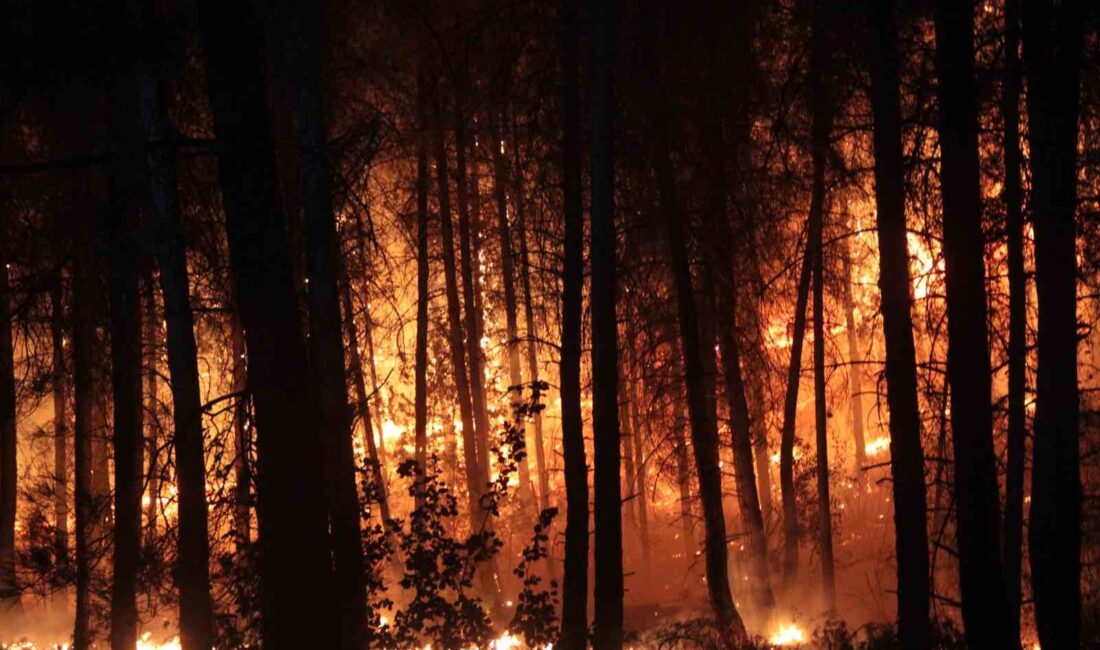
549, 325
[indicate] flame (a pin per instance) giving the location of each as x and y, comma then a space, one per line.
145, 642
877, 446
788, 635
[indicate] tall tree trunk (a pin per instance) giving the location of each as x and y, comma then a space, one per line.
981, 581
855, 361
574, 626
471, 308
508, 280
704, 429
1012, 531
152, 439
60, 422
474, 484
423, 295
301, 28
355, 369
531, 330
124, 295
9, 589
607, 633
791, 530
820, 127
242, 438
906, 454
294, 543
193, 564
1053, 36
86, 312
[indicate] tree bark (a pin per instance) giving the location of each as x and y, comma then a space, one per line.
60, 422
193, 564
9, 588
294, 543
574, 626
984, 608
1053, 37
474, 484
607, 633
704, 430
149, 375
906, 454
1012, 531
423, 295
124, 296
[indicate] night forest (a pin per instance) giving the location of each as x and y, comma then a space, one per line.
549, 324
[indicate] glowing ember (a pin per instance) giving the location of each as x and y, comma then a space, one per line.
788, 635
877, 446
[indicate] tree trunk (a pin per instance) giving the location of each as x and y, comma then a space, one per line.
193, 565
60, 422
507, 269
906, 454
704, 430
790, 416
981, 581
9, 589
607, 633
474, 483
301, 28
152, 439
855, 362
294, 544
1053, 36
467, 261
242, 438
423, 295
1012, 531
574, 626
124, 296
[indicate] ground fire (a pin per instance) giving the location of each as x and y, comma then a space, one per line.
549, 324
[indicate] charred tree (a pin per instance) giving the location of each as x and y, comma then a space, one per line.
820, 126
607, 632
294, 545
61, 429
984, 608
1012, 531
704, 429
1053, 37
9, 589
423, 297
300, 27
574, 626
193, 564
906, 454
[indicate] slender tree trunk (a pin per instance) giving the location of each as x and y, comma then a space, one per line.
474, 483
9, 589
294, 558
855, 362
152, 440
791, 530
60, 423
1012, 531
640, 482
906, 454
467, 262
508, 275
574, 626
124, 295
423, 297
193, 564
1053, 37
355, 369
981, 581
242, 439
372, 365
704, 429
87, 311
301, 29
531, 330
607, 633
